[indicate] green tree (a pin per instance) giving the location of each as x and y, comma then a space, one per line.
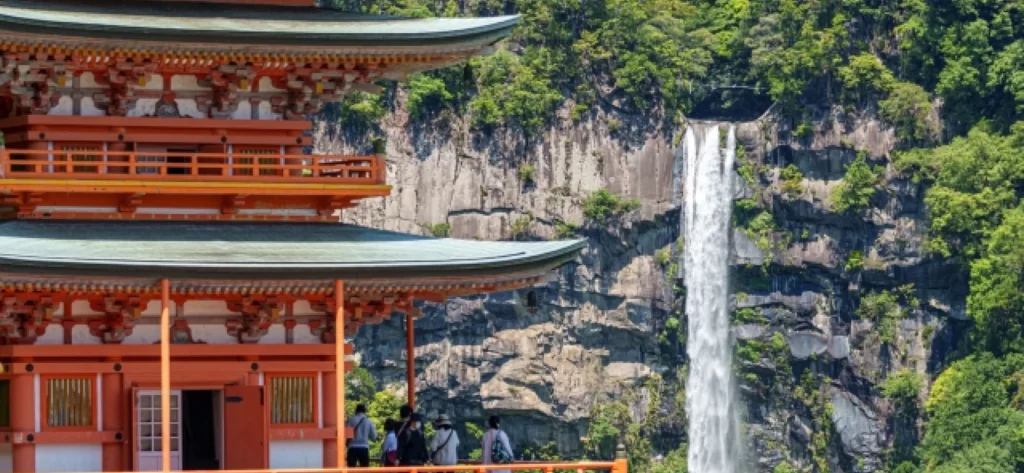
865, 77
909, 110
857, 188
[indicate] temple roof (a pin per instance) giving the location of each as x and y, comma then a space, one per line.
261, 251
240, 24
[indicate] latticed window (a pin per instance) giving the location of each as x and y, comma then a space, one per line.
245, 157
83, 153
69, 402
5, 403
292, 399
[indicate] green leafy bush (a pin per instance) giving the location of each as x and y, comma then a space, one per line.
602, 205
792, 181
427, 94
527, 173
903, 386
883, 308
909, 110
511, 92
522, 227
857, 188
440, 230
855, 262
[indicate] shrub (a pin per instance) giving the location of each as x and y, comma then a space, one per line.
792, 181
440, 230
854, 193
903, 386
564, 230
855, 262
427, 93
603, 205
909, 111
882, 308
522, 227
527, 173
663, 256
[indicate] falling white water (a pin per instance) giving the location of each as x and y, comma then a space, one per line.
710, 402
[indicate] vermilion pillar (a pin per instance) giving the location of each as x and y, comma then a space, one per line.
339, 368
112, 421
165, 375
330, 419
410, 359
23, 422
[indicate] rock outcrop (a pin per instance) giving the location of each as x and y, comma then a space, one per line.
594, 331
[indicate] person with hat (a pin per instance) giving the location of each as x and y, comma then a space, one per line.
413, 451
444, 447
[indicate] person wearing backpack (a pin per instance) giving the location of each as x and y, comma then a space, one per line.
363, 431
496, 448
413, 452
444, 447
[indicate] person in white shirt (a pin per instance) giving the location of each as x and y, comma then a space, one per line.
444, 447
495, 434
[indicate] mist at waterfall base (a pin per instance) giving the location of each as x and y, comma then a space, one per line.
714, 434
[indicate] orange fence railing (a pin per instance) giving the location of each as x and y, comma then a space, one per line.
178, 166
617, 466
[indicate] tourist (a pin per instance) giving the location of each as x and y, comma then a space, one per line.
402, 434
444, 447
413, 452
389, 450
496, 447
363, 431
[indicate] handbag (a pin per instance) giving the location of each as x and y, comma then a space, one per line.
355, 429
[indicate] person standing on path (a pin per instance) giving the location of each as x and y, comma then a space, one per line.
413, 452
363, 431
496, 447
444, 447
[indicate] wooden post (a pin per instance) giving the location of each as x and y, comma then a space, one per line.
113, 406
410, 359
23, 421
621, 460
339, 367
165, 375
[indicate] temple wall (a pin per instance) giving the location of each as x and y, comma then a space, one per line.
60, 458
285, 454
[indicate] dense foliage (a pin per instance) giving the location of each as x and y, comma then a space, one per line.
677, 55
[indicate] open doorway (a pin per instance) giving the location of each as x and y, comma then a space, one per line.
201, 415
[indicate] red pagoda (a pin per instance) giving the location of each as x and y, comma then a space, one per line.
175, 290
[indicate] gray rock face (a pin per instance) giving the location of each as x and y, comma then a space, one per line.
595, 334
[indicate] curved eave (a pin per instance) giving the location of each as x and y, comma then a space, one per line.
263, 251
242, 26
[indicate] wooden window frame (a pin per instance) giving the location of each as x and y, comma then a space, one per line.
101, 153
314, 391
45, 407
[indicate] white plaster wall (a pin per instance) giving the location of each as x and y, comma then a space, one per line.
156, 82
302, 336
296, 454
6, 458
143, 107
54, 336
302, 307
211, 333
187, 82
266, 111
267, 85
65, 107
206, 308
88, 81
275, 334
80, 308
243, 112
189, 108
58, 458
143, 335
80, 336
89, 108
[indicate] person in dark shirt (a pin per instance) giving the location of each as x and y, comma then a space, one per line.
402, 433
413, 452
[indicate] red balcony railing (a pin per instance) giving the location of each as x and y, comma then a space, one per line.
178, 166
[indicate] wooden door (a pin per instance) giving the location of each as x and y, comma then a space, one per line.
147, 432
246, 436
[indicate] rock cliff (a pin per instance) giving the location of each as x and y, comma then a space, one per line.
809, 366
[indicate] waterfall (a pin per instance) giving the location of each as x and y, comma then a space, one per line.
710, 391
